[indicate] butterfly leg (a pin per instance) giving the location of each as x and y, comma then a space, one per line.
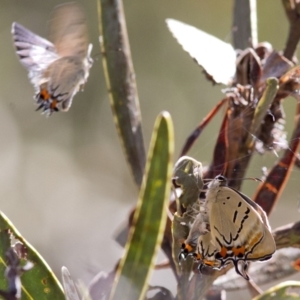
244, 269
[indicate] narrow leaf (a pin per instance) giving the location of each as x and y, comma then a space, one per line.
150, 216
121, 84
282, 291
215, 56
39, 282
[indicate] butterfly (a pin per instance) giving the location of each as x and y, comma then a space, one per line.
239, 227
197, 230
57, 69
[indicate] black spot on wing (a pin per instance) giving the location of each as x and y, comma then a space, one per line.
246, 216
234, 216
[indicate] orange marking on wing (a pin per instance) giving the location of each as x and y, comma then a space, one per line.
283, 165
296, 264
239, 250
255, 240
188, 248
209, 263
223, 251
271, 188
198, 256
44, 94
53, 104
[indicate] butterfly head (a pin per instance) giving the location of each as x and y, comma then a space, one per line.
217, 182
88, 62
222, 180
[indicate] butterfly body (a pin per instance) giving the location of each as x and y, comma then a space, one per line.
60, 69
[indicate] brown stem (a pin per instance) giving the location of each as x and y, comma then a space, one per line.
292, 10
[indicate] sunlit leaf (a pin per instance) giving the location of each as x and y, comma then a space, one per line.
39, 282
282, 291
121, 84
215, 56
150, 216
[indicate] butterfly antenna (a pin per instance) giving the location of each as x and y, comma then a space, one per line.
252, 178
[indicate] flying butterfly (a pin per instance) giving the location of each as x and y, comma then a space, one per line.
239, 227
57, 69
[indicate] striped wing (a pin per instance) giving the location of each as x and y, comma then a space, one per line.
238, 226
207, 251
65, 77
59, 70
35, 53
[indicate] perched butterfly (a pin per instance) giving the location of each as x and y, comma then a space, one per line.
239, 227
207, 252
198, 228
57, 69
215, 56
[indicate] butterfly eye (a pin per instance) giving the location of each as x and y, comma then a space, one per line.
221, 179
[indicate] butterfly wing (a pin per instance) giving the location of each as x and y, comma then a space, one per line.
207, 251
239, 227
266, 247
215, 56
65, 77
68, 30
59, 70
35, 53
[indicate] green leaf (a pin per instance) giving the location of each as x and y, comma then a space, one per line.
37, 283
121, 84
262, 109
150, 216
281, 291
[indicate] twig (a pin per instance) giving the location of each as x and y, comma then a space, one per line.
292, 10
288, 236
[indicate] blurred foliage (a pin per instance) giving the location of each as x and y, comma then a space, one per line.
37, 283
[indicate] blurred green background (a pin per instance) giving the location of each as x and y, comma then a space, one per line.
63, 180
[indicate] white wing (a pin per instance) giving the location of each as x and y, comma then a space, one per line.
215, 56
35, 53
68, 30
